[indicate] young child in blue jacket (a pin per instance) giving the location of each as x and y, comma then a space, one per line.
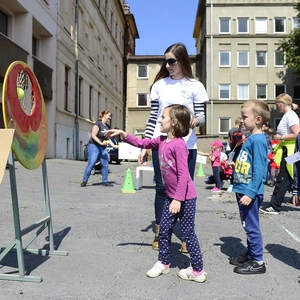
249, 176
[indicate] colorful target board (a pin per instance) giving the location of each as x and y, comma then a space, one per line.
24, 110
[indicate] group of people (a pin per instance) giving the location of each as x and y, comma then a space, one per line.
177, 107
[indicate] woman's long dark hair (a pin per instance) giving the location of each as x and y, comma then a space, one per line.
180, 52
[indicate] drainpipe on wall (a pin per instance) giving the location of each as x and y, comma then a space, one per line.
211, 70
125, 63
76, 83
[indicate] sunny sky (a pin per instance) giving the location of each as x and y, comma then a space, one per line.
161, 23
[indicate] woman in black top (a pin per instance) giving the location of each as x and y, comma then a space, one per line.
97, 149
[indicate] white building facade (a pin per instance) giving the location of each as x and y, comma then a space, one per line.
237, 46
77, 50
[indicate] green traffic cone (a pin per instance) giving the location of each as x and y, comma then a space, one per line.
128, 187
200, 171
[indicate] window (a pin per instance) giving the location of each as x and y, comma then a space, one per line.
105, 9
116, 32
90, 102
279, 59
3, 22
34, 46
116, 73
261, 91
142, 99
279, 25
261, 58
224, 91
243, 91
66, 98
111, 21
224, 57
297, 92
261, 25
80, 96
279, 89
242, 25
224, 125
142, 71
139, 131
224, 25
243, 59
295, 23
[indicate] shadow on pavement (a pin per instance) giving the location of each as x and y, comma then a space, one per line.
289, 256
58, 237
231, 246
32, 261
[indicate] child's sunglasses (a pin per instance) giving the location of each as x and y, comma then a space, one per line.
170, 61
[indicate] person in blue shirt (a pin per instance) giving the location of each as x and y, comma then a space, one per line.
250, 170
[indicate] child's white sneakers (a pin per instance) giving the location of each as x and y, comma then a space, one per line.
158, 269
189, 274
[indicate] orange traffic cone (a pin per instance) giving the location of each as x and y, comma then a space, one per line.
128, 187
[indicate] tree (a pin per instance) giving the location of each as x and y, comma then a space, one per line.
291, 45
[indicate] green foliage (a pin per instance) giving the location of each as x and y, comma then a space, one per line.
291, 46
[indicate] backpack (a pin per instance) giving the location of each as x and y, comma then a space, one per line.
236, 139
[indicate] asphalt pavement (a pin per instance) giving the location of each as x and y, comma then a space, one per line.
108, 236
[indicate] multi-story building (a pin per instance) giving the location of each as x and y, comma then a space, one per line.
28, 33
237, 46
92, 61
78, 51
141, 72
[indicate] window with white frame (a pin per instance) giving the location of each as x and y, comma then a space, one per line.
279, 89
142, 71
243, 59
297, 92
243, 91
243, 25
224, 125
224, 91
261, 58
261, 25
279, 25
142, 100
224, 57
279, 58
224, 25
261, 91
295, 23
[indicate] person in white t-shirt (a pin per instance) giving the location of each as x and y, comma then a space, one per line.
173, 84
287, 130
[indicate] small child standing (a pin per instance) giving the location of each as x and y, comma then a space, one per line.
181, 193
215, 158
250, 170
273, 166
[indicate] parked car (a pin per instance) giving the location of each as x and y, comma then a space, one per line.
113, 152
